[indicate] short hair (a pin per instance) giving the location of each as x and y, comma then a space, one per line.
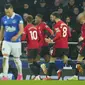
7, 6
56, 14
40, 16
29, 19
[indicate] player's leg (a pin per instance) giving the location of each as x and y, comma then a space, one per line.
79, 68
63, 56
59, 54
16, 52
52, 65
34, 66
45, 54
6, 49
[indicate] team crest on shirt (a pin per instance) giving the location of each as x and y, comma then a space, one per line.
14, 21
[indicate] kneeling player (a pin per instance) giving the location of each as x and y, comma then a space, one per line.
33, 39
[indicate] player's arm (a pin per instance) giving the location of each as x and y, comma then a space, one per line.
40, 37
58, 34
82, 37
56, 37
21, 29
23, 38
1, 31
69, 32
1, 34
47, 28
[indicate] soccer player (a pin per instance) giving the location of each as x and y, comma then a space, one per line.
11, 31
45, 29
34, 38
60, 48
81, 56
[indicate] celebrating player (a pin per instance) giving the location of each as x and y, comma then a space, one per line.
34, 38
43, 28
11, 31
81, 56
60, 49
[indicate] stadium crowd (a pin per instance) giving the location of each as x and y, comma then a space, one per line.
68, 10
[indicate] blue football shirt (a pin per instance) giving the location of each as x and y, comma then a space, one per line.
11, 26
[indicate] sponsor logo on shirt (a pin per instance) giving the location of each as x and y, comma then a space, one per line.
10, 29
14, 21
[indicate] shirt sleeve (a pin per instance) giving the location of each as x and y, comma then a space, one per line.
69, 33
20, 20
83, 33
40, 37
47, 28
58, 34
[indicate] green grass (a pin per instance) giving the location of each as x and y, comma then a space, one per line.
52, 82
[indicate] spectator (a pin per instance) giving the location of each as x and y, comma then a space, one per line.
83, 6
27, 9
75, 14
64, 2
61, 13
42, 9
25, 15
57, 3
68, 22
75, 24
69, 8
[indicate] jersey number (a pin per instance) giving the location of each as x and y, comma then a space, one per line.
64, 31
33, 35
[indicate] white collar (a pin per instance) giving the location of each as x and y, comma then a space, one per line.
11, 16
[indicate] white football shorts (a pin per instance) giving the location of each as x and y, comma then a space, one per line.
11, 48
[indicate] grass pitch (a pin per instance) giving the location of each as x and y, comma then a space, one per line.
39, 82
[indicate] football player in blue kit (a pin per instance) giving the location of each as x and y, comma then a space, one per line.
11, 31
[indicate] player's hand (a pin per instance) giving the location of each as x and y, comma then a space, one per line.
48, 40
14, 38
81, 39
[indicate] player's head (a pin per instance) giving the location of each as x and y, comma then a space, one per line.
81, 18
54, 16
38, 18
29, 19
8, 10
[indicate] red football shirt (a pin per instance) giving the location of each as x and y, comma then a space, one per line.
83, 33
33, 36
62, 33
44, 27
